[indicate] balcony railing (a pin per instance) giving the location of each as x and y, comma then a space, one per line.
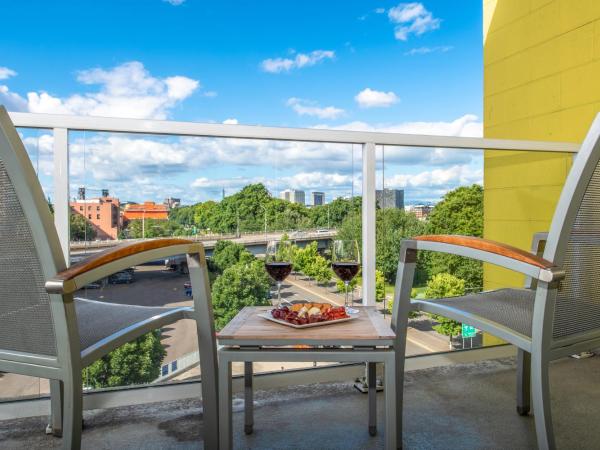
62, 125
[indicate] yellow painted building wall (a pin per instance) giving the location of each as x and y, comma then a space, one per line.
541, 81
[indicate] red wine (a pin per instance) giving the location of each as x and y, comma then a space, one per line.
345, 270
278, 270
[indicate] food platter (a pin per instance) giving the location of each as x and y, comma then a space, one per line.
268, 316
308, 315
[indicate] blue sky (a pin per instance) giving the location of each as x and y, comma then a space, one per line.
410, 67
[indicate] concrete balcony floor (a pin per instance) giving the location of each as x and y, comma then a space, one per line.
459, 406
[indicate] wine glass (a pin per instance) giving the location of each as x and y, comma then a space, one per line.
278, 263
345, 257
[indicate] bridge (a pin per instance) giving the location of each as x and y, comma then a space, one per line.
256, 243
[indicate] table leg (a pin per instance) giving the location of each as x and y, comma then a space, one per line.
225, 432
372, 382
248, 398
391, 422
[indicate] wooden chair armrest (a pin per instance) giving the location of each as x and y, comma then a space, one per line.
490, 246
115, 259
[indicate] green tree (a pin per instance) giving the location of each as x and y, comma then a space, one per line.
305, 257
320, 270
379, 286
459, 212
81, 229
227, 254
445, 285
243, 284
136, 362
152, 228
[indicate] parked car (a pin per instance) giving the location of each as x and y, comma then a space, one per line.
92, 286
121, 278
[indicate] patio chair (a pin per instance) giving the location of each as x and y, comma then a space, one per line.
556, 314
45, 332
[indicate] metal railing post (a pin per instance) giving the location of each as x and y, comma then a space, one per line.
368, 224
61, 188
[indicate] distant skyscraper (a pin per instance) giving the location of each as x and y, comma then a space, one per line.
292, 195
390, 198
318, 198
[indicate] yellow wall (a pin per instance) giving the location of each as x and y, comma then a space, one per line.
541, 81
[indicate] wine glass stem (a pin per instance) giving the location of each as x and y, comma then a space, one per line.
346, 283
278, 294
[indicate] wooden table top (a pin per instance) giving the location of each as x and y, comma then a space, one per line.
247, 328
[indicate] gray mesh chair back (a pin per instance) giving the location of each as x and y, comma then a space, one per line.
574, 244
29, 253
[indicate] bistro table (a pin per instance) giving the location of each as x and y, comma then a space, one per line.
249, 337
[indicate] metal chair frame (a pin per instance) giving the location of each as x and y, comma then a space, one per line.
64, 369
536, 351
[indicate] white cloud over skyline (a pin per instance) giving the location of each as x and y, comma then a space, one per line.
305, 107
412, 18
127, 90
278, 65
370, 98
6, 73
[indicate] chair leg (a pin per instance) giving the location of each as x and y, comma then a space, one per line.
372, 382
248, 399
393, 405
541, 402
225, 422
56, 408
523, 382
73, 412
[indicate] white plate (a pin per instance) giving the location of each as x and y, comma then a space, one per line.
268, 316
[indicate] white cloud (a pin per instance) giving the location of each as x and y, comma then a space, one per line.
175, 2
5, 73
412, 18
127, 90
426, 50
305, 107
277, 65
11, 100
447, 178
210, 94
379, 10
369, 98
230, 122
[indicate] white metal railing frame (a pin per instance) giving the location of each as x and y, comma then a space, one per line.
62, 124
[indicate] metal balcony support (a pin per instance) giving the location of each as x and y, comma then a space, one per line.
61, 188
368, 224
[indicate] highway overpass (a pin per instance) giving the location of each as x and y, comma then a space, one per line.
256, 243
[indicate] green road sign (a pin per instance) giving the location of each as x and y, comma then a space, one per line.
468, 331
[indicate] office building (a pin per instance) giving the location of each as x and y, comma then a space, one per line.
390, 198
293, 195
318, 198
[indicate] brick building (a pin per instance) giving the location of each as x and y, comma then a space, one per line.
146, 210
102, 213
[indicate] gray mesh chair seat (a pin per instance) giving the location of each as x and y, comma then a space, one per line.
512, 308
99, 320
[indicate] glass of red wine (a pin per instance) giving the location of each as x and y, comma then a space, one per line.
278, 263
345, 262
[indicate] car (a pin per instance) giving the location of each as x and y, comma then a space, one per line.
92, 286
322, 231
120, 278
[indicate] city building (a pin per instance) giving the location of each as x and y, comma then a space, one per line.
420, 211
102, 213
318, 198
390, 198
146, 210
172, 202
293, 195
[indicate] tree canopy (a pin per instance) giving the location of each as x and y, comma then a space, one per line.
445, 285
80, 228
136, 362
242, 284
459, 212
